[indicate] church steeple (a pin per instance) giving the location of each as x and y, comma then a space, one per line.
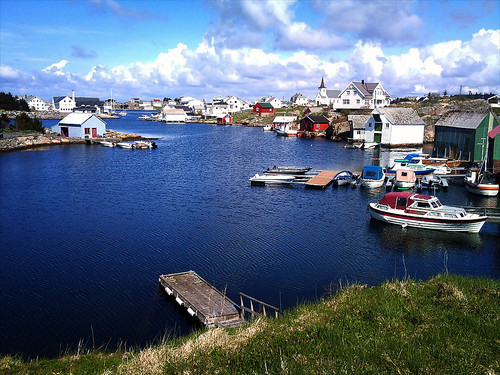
322, 86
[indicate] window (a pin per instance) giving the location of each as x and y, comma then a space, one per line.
346, 101
386, 125
348, 92
358, 101
87, 131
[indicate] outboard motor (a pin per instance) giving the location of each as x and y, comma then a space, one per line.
154, 145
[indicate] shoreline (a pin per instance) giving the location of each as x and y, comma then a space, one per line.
28, 141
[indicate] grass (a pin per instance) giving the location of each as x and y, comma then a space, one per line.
446, 325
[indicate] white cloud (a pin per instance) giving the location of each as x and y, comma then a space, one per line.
56, 68
6, 72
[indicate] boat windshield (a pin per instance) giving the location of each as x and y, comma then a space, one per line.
436, 204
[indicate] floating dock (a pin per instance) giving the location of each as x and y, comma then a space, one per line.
212, 307
321, 180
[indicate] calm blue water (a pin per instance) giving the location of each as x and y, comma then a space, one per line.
86, 230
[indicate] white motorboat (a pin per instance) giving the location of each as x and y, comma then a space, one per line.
424, 211
418, 168
287, 170
144, 117
271, 179
144, 144
477, 183
404, 179
372, 177
434, 182
267, 128
108, 144
126, 145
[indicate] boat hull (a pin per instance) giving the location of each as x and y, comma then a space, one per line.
372, 184
488, 190
391, 216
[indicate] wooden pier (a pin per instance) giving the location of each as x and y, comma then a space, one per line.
321, 180
212, 307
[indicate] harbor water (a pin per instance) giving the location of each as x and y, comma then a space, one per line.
86, 230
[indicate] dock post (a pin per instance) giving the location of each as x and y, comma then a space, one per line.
242, 314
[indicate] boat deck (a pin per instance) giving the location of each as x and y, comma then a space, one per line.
321, 180
212, 307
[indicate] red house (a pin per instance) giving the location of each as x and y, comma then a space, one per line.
225, 120
314, 123
263, 108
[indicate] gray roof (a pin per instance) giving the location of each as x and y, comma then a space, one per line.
367, 88
462, 119
333, 93
400, 116
358, 121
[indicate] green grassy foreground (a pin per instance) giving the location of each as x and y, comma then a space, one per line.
446, 325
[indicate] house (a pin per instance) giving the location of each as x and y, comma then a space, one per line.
236, 104
311, 123
357, 125
463, 135
225, 120
194, 104
81, 125
64, 103
299, 100
284, 123
395, 126
77, 103
215, 109
169, 114
275, 102
326, 97
34, 102
359, 95
263, 108
493, 101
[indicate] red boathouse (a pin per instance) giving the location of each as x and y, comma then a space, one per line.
314, 123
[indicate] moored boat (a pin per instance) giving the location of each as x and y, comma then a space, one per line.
343, 178
271, 179
424, 211
144, 144
477, 183
267, 128
108, 144
433, 182
404, 179
419, 169
126, 145
372, 177
287, 170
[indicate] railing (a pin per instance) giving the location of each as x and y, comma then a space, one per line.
252, 311
492, 213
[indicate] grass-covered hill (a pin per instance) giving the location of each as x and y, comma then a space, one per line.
446, 325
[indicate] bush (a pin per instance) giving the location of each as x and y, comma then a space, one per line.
24, 122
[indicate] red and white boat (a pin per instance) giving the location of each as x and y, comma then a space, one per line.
424, 211
476, 183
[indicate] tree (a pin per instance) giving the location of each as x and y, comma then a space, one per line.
24, 122
4, 121
10, 103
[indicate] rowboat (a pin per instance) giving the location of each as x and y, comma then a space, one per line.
424, 211
343, 178
271, 179
287, 170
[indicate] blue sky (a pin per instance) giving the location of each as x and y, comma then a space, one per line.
254, 48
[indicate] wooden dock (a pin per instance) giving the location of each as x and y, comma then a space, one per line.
212, 307
321, 180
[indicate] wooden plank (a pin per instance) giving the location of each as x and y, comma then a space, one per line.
201, 299
322, 179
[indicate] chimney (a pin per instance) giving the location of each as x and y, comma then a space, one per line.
362, 81
73, 95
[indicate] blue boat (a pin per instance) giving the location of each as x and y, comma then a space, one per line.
419, 169
372, 177
343, 178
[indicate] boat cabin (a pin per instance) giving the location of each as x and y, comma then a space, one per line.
406, 175
402, 200
372, 172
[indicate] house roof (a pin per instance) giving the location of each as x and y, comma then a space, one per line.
285, 118
318, 119
78, 118
57, 99
265, 105
358, 121
462, 119
367, 88
400, 116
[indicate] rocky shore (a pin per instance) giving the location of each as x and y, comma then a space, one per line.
23, 141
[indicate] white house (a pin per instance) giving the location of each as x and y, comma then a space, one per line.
299, 100
359, 95
213, 110
275, 102
395, 126
64, 103
80, 125
169, 114
493, 101
326, 97
284, 123
34, 102
235, 104
357, 125
194, 104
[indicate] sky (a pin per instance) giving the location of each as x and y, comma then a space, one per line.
247, 48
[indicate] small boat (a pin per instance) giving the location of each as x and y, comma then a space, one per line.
126, 145
404, 179
108, 144
424, 211
372, 177
287, 170
476, 182
144, 117
343, 178
434, 182
145, 145
122, 114
419, 169
353, 145
427, 160
267, 128
286, 133
271, 179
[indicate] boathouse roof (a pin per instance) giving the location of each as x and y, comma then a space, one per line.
285, 119
400, 116
358, 121
462, 119
78, 119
